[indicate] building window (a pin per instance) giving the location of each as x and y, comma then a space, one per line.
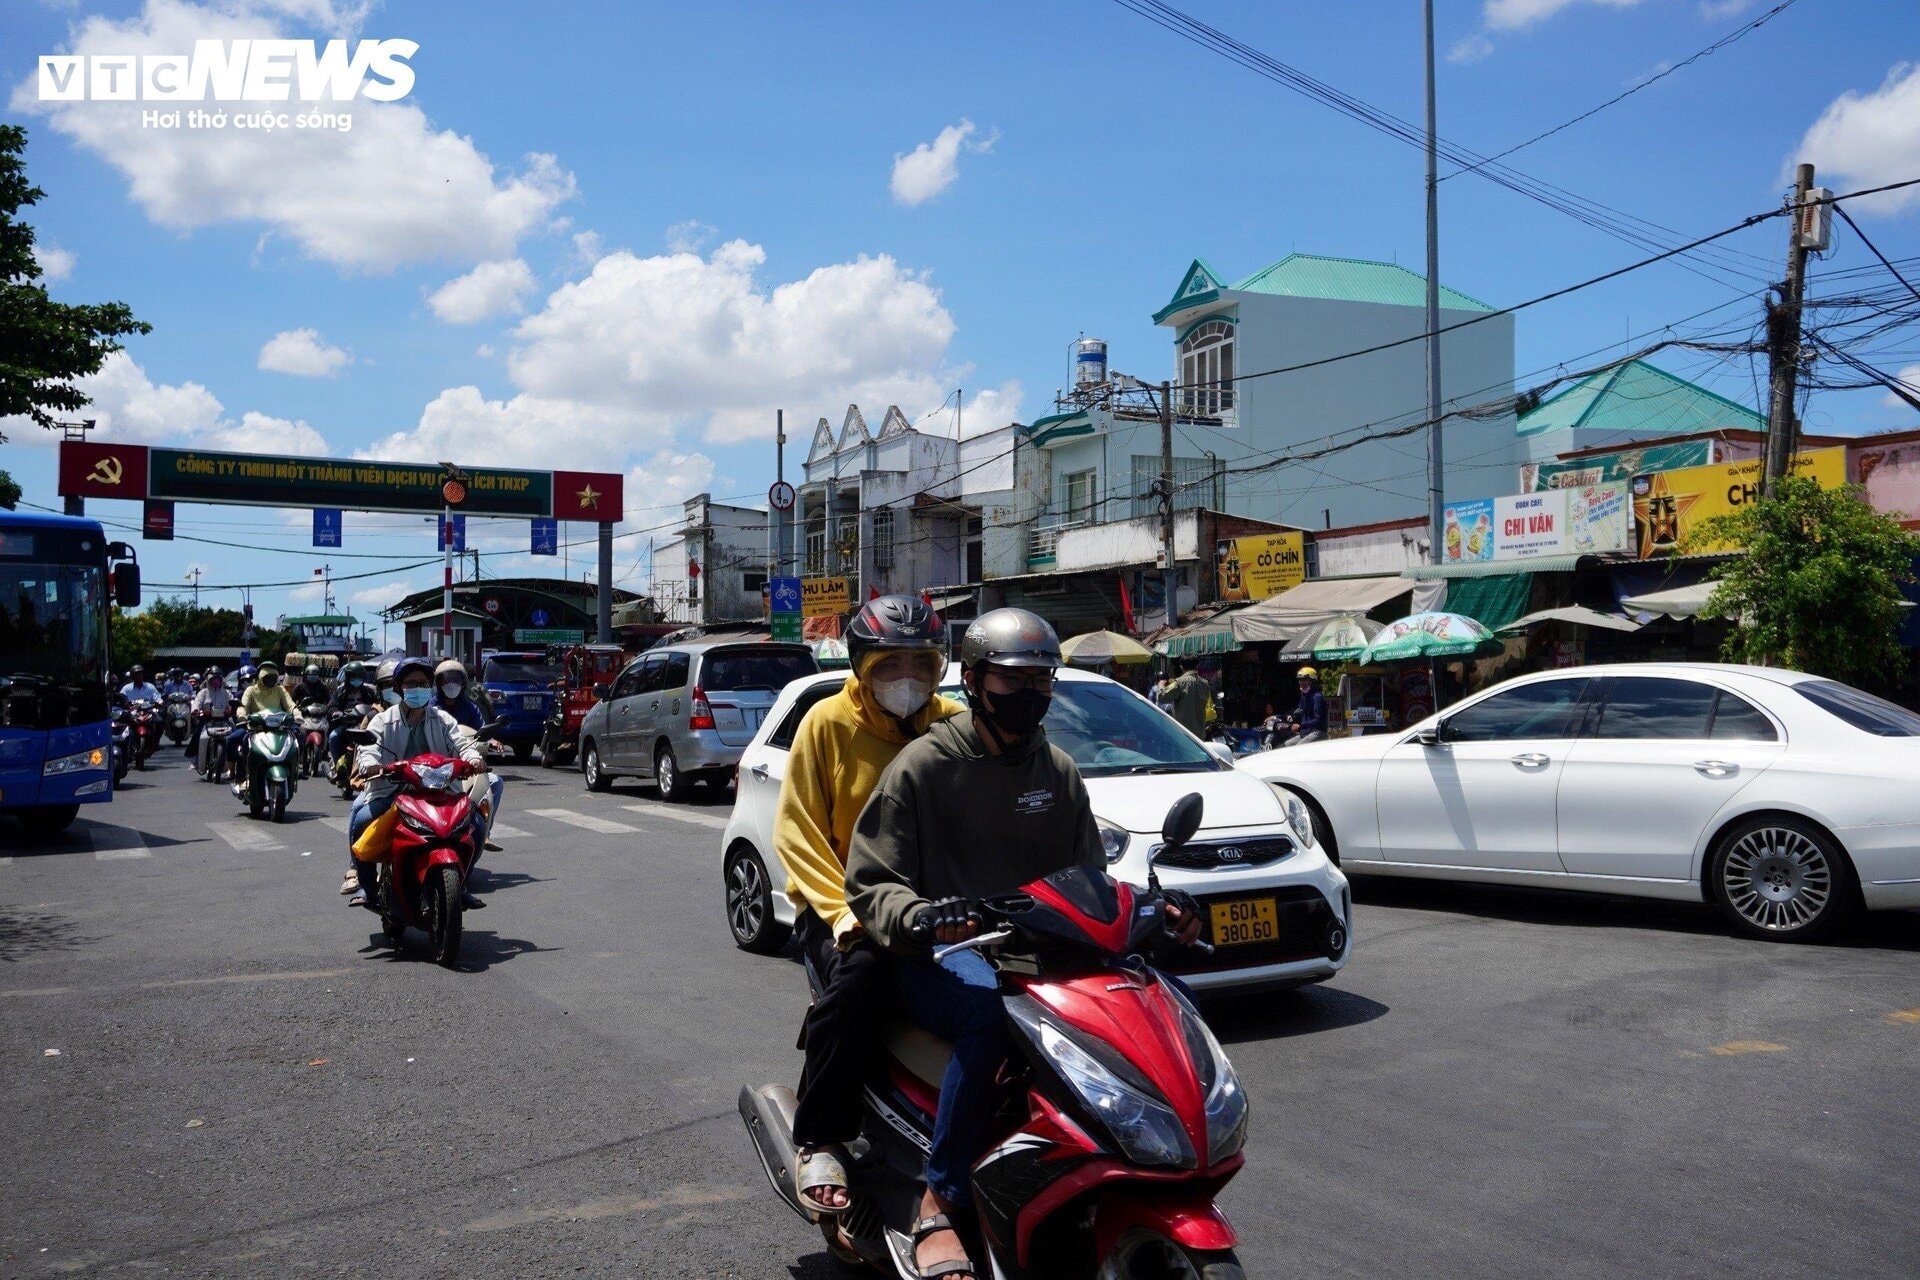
883, 538
1197, 483
816, 543
1076, 496
976, 559
1206, 369
753, 583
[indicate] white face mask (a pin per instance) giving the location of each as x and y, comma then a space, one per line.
452, 689
902, 697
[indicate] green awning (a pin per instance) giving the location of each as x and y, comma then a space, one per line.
1491, 601
1215, 635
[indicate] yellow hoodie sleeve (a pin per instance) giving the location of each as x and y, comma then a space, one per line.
801, 837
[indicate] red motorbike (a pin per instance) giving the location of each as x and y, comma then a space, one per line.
436, 840
1120, 1118
146, 732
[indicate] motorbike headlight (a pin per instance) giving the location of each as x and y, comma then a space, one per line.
1113, 841
438, 778
1143, 1126
407, 820
1299, 819
79, 762
1226, 1100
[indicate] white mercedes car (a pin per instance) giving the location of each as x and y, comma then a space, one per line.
1786, 800
1277, 911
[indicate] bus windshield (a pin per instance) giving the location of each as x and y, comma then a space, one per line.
53, 627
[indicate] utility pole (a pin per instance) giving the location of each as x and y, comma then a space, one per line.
1170, 575
194, 573
1436, 463
1783, 344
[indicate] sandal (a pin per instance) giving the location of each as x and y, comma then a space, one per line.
821, 1168
953, 1266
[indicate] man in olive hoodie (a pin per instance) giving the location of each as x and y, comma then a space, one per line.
980, 806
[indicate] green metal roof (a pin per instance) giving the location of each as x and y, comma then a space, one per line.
1637, 397
1306, 275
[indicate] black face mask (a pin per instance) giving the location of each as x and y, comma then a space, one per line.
1016, 714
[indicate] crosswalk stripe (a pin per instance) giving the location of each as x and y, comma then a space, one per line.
245, 837
713, 820
338, 824
115, 855
504, 832
585, 821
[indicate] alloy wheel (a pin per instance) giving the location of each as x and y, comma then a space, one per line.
1777, 879
1147, 1255
746, 898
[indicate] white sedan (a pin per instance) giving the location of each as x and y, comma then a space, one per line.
1787, 800
1277, 911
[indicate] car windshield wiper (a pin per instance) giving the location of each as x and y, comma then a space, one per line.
1168, 768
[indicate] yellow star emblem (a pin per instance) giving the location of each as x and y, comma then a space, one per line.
589, 497
1662, 516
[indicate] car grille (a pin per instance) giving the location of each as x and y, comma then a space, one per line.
1307, 931
1214, 854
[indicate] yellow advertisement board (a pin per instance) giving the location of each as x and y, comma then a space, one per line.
1670, 505
821, 597
1261, 565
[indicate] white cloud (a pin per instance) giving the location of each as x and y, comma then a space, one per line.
1714, 10
390, 190
586, 248
668, 478
303, 354
1869, 139
129, 406
1514, 15
1909, 378
522, 431
490, 289
690, 236
55, 263
930, 168
484, 351
1470, 48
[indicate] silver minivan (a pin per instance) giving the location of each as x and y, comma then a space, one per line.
683, 713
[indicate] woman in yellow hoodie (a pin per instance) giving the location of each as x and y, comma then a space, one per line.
897, 647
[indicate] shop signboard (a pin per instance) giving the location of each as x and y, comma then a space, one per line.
1622, 465
1469, 531
1257, 566
823, 597
1581, 521
1669, 506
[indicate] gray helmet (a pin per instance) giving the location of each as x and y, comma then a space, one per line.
383, 674
1010, 638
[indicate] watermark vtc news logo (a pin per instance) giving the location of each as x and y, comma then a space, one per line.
236, 71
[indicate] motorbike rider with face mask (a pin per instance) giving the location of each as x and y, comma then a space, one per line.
980, 806
312, 686
453, 695
265, 693
896, 647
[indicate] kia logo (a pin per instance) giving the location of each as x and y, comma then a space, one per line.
1228, 853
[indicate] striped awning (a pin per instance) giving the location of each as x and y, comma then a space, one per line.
1199, 639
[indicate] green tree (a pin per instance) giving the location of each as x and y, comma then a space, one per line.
9, 490
44, 344
135, 637
1819, 587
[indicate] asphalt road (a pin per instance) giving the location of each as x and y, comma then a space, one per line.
1500, 1084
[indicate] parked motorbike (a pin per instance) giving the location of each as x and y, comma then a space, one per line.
266, 774
436, 842
122, 743
1122, 1118
145, 720
313, 739
179, 709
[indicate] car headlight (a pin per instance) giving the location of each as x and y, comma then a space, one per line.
80, 762
1299, 819
1226, 1100
1113, 841
1142, 1125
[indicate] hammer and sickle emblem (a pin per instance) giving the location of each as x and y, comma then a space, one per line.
106, 471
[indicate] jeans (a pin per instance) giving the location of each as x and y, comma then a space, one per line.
1310, 735
840, 1034
958, 999
366, 807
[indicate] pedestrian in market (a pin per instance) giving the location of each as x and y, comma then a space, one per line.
1186, 699
1310, 716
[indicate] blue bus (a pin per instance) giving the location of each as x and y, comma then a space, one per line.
56, 749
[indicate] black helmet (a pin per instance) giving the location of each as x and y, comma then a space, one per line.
894, 622
312, 672
407, 666
136, 671
1010, 638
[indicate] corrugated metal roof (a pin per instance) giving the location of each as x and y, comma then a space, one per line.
1638, 397
1306, 275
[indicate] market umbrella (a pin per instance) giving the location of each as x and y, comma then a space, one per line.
831, 652
1338, 639
1431, 635
1096, 647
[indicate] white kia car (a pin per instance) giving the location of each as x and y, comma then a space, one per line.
1277, 911
1786, 800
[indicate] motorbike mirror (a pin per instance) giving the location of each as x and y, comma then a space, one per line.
359, 737
491, 728
1182, 821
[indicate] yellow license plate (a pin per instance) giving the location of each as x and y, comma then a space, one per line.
1245, 920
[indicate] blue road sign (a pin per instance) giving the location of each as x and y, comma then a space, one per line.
326, 527
539, 617
783, 595
546, 537
459, 526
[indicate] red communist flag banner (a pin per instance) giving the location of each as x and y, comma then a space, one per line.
97, 470
588, 495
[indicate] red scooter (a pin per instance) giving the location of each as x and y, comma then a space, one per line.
146, 732
1120, 1119
436, 841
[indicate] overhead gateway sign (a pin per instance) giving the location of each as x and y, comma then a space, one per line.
277, 481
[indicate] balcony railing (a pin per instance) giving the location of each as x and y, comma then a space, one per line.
1046, 536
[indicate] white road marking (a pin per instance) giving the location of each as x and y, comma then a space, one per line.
6, 862
338, 824
585, 821
504, 832
694, 816
245, 837
114, 855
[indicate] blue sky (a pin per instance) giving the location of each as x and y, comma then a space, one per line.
661, 222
